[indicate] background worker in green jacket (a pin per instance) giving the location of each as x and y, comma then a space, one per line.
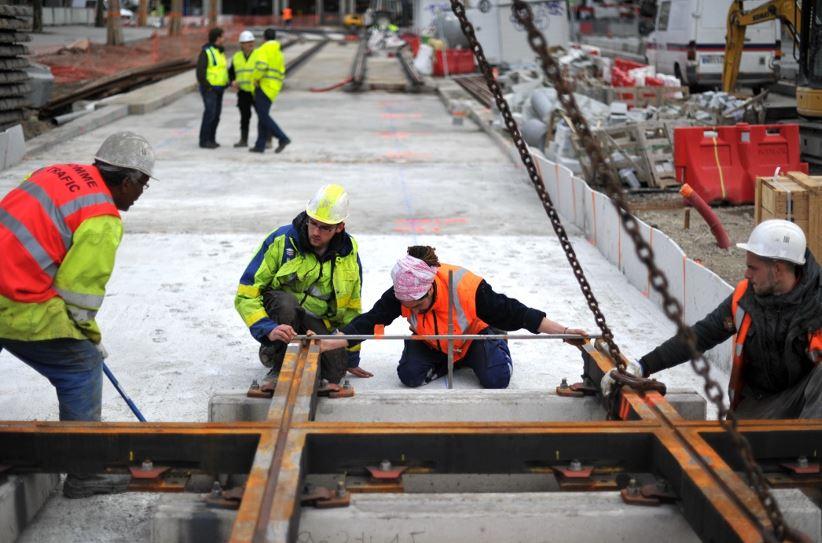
59, 233
242, 66
305, 276
267, 78
212, 75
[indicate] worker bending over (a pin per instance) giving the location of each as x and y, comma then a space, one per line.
305, 276
420, 294
59, 233
775, 318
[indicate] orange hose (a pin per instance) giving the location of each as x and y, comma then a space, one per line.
708, 214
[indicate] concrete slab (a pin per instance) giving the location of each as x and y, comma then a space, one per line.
12, 146
471, 518
21, 498
153, 97
78, 127
443, 405
330, 65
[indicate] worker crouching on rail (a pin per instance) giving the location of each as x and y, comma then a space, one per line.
775, 317
420, 294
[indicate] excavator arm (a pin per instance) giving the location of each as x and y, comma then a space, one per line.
738, 20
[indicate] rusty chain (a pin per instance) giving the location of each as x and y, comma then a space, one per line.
603, 171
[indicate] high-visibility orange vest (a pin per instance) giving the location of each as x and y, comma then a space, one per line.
465, 319
37, 222
287, 14
742, 322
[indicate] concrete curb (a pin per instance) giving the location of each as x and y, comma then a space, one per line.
21, 498
153, 97
137, 102
78, 127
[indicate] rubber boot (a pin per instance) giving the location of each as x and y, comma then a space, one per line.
242, 143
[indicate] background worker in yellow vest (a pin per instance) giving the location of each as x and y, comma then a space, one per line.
212, 75
775, 316
267, 78
420, 294
242, 66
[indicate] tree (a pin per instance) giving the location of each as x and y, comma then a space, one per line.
142, 13
99, 14
212, 13
37, 16
176, 22
114, 34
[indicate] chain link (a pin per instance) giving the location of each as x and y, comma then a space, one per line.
602, 171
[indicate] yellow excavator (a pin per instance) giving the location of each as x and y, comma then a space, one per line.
805, 25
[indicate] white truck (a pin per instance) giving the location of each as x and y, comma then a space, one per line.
689, 42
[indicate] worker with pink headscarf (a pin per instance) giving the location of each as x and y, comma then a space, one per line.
420, 294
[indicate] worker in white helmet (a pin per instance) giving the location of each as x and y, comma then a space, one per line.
59, 234
305, 276
239, 73
775, 318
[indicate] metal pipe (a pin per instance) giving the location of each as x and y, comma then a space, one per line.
423, 337
450, 329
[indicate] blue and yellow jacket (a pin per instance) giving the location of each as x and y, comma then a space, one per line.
329, 287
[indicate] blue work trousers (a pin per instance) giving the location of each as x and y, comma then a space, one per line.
490, 360
212, 108
265, 124
74, 367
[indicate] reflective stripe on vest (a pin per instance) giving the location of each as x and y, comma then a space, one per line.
217, 70
243, 68
42, 214
28, 242
435, 320
742, 322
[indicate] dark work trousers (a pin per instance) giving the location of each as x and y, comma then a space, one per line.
212, 107
74, 367
265, 124
282, 308
490, 360
245, 101
801, 401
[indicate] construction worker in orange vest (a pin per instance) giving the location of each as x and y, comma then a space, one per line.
420, 294
59, 233
287, 16
775, 317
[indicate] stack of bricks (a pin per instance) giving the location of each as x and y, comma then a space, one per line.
15, 25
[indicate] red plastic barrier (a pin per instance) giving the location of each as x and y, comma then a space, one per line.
460, 61
413, 41
627, 65
722, 163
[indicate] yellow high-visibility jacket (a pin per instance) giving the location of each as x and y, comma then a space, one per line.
269, 69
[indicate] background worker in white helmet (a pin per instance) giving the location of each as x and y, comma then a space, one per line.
59, 233
775, 316
242, 66
305, 276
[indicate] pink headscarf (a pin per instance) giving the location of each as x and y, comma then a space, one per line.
412, 278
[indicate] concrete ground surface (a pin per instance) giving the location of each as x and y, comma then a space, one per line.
168, 321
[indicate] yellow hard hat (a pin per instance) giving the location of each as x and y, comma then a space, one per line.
329, 205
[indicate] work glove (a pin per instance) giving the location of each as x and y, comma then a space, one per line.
102, 350
634, 367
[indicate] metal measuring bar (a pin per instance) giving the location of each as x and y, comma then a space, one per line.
470, 337
450, 381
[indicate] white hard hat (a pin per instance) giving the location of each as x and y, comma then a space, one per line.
127, 150
329, 205
246, 36
777, 239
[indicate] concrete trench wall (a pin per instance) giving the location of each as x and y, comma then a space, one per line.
697, 288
